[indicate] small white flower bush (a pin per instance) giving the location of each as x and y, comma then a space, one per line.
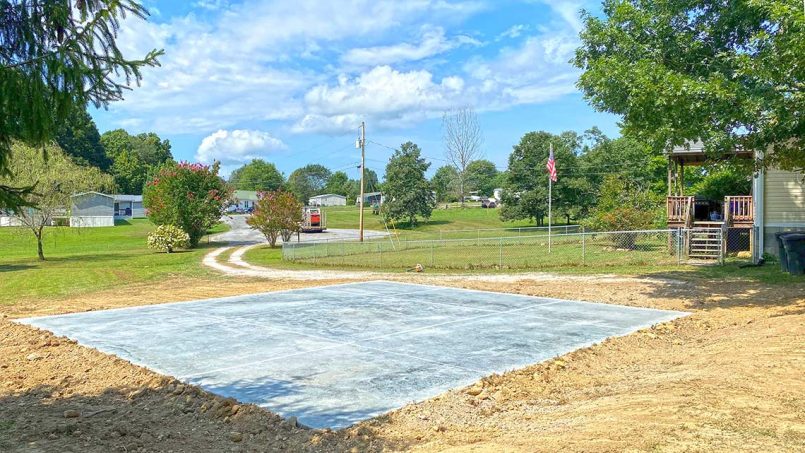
167, 238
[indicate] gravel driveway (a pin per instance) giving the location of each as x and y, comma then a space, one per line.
241, 233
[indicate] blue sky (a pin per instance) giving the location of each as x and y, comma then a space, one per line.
290, 81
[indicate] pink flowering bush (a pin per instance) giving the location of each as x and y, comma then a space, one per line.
190, 196
276, 213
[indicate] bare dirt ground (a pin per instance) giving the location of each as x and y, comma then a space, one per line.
729, 377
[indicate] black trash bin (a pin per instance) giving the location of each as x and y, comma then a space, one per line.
781, 250
794, 245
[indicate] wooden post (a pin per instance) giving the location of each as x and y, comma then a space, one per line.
363, 171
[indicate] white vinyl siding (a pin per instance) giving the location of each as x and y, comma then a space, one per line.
784, 198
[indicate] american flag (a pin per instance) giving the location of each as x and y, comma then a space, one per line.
551, 166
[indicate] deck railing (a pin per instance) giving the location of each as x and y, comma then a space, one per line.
680, 210
739, 209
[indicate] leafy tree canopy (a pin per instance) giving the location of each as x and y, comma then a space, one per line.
445, 183
481, 176
277, 213
257, 175
79, 138
134, 157
55, 179
338, 184
731, 74
190, 196
308, 181
526, 192
56, 57
407, 191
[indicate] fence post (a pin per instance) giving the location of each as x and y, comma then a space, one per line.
679, 246
583, 247
432, 246
500, 253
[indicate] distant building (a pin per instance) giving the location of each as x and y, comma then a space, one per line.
328, 199
7, 218
129, 206
243, 200
92, 209
371, 198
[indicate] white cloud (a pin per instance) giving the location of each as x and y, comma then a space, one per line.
538, 70
432, 42
267, 60
237, 146
382, 93
513, 32
243, 64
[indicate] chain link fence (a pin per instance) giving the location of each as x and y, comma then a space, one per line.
532, 251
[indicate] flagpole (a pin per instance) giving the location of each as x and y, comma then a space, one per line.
550, 187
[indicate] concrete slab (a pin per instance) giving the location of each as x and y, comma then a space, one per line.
335, 355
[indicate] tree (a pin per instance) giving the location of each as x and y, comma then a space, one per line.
308, 181
481, 177
407, 191
277, 213
338, 183
79, 138
55, 58
462, 138
190, 196
130, 173
55, 178
134, 157
151, 149
624, 206
731, 74
371, 181
257, 175
526, 191
722, 179
445, 182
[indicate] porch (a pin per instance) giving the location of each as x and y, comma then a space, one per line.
733, 216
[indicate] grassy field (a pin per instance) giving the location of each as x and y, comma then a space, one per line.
87, 259
445, 221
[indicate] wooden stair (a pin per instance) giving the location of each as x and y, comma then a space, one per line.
705, 243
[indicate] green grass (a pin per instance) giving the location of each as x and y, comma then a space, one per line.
442, 220
82, 260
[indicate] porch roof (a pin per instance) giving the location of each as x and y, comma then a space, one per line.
692, 153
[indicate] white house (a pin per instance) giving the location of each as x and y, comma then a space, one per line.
328, 199
7, 218
128, 206
243, 200
776, 203
92, 209
779, 205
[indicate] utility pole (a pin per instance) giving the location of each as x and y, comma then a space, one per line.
363, 171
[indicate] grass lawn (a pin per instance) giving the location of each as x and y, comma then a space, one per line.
454, 218
81, 260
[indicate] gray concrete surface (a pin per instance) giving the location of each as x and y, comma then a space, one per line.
336, 355
242, 233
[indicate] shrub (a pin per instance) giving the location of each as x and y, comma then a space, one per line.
167, 238
622, 206
276, 213
190, 196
